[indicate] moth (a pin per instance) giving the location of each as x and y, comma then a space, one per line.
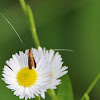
31, 61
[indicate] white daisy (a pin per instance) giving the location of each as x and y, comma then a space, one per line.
27, 82
55, 62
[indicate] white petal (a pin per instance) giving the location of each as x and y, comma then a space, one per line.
43, 95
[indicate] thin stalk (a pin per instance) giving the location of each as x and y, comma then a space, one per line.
32, 26
30, 19
91, 86
24, 8
52, 94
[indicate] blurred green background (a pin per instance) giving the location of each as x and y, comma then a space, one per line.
68, 24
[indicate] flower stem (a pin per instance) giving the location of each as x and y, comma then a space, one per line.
91, 86
30, 19
52, 94
38, 98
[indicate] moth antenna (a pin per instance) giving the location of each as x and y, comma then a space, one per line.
12, 28
63, 50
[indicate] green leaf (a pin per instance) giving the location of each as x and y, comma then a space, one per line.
87, 97
64, 91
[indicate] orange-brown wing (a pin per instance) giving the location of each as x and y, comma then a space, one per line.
31, 61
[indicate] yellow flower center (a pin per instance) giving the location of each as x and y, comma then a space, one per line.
26, 77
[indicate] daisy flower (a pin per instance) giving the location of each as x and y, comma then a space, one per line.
27, 82
55, 62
